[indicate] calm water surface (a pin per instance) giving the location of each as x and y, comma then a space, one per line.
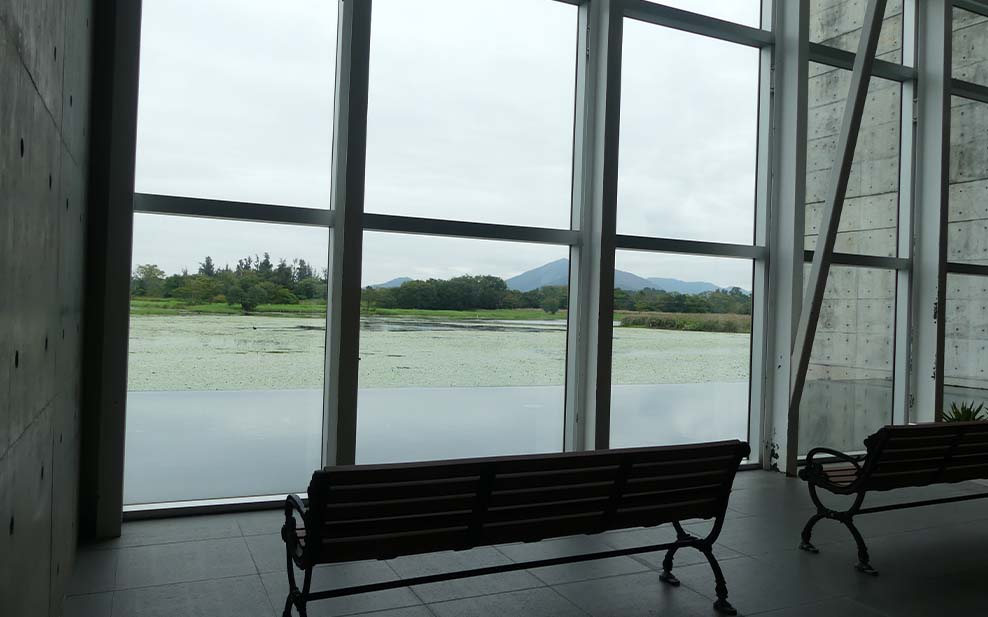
208, 444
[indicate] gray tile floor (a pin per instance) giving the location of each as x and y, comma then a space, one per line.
932, 560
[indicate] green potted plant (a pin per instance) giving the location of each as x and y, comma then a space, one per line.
966, 412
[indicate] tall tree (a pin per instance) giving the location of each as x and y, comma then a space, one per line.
206, 268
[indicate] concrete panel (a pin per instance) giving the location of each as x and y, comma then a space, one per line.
65, 497
969, 201
30, 255
75, 93
30, 464
970, 47
37, 29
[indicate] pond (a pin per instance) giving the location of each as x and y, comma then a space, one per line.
232, 406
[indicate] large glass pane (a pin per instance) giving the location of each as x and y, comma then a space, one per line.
848, 392
225, 371
837, 23
871, 208
689, 132
968, 210
236, 100
965, 375
470, 115
970, 47
462, 348
682, 349
747, 12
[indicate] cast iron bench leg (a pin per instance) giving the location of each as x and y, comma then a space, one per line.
721, 605
666, 576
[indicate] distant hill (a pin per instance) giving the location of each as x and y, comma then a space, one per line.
392, 283
557, 273
683, 287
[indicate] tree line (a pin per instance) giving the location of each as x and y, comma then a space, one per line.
254, 281
258, 280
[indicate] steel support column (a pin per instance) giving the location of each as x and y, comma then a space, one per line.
822, 255
932, 176
786, 223
345, 240
595, 167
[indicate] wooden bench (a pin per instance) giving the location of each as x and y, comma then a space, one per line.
385, 511
896, 457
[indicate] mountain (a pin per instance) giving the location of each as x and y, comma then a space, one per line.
392, 283
557, 273
683, 287
552, 273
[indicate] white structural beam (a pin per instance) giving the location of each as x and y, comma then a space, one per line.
930, 217
786, 221
840, 175
595, 167
345, 240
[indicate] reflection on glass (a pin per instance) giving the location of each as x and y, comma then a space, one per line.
970, 54
965, 375
689, 131
470, 113
682, 349
837, 23
848, 392
967, 228
870, 215
462, 348
236, 100
225, 370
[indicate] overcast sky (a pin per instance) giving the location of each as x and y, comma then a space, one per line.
470, 117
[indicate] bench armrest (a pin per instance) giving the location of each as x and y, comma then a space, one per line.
815, 472
294, 536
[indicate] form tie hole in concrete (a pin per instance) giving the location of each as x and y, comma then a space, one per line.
49, 182
63, 334
46, 343
66, 204
55, 54
70, 100
59, 438
17, 359
42, 472
22, 147
11, 525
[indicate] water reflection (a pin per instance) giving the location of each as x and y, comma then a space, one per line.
199, 445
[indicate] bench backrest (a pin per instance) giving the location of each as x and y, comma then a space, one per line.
923, 454
383, 511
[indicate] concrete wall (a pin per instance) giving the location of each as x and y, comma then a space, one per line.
848, 393
44, 112
966, 348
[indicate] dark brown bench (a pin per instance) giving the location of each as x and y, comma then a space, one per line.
896, 457
385, 511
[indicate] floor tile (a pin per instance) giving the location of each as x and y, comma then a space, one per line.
94, 570
228, 597
262, 522
659, 535
161, 564
755, 585
434, 563
268, 552
840, 607
180, 529
89, 605
635, 595
344, 575
541, 602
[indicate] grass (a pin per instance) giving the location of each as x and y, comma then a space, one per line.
690, 322
172, 306
506, 314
